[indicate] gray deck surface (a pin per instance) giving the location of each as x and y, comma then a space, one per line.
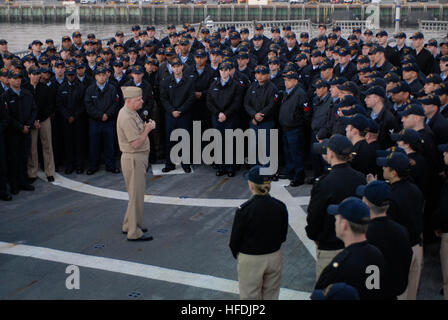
193, 239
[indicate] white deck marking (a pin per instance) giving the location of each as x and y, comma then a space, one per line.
157, 170
137, 269
297, 217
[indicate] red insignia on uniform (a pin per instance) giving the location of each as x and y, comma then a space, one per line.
275, 98
117, 98
306, 109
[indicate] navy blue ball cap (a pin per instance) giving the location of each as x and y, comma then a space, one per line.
70, 71
175, 61
225, 66
347, 101
376, 49
117, 64
400, 87
377, 192
400, 35
376, 90
259, 37
244, 30
442, 90
355, 109
33, 70
200, 53
59, 63
443, 147
80, 66
359, 121
136, 28
326, 65
320, 83
433, 78
254, 176
382, 33
391, 77
344, 52
373, 126
430, 100
337, 81
407, 136
396, 160
242, 55
388, 151
337, 291
339, 144
410, 67
261, 69
300, 56
274, 60
417, 35
36, 42
349, 86
375, 74
291, 75
365, 70
362, 59
290, 35
337, 28
321, 38
351, 209
99, 70
412, 108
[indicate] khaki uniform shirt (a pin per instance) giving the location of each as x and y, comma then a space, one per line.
129, 128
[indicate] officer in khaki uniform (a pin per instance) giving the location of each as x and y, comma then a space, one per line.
134, 144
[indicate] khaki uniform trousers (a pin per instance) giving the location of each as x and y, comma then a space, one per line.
414, 274
133, 166
44, 133
259, 276
444, 263
323, 259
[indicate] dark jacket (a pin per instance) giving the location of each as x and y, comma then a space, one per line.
425, 61
225, 99
348, 72
393, 241
99, 102
260, 226
261, 99
365, 159
202, 82
340, 183
290, 55
321, 107
406, 208
386, 122
70, 100
439, 125
147, 96
385, 68
291, 113
178, 96
44, 100
22, 110
350, 266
